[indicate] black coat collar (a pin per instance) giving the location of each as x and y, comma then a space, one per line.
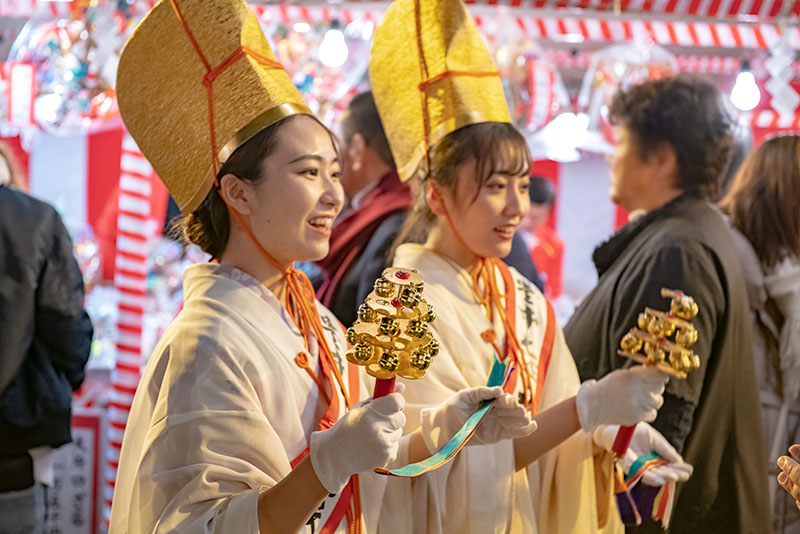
607, 252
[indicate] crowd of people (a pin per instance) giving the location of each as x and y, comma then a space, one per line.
248, 416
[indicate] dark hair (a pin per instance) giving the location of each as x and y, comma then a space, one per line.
764, 199
541, 191
209, 225
687, 113
487, 144
362, 118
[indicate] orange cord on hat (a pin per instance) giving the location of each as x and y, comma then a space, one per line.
299, 298
427, 80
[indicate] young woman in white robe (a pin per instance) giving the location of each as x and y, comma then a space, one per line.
557, 480
240, 424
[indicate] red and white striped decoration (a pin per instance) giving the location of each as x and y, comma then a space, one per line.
719, 9
583, 27
542, 88
587, 26
720, 65
760, 10
135, 231
771, 119
703, 34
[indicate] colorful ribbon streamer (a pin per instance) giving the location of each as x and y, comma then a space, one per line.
498, 376
636, 501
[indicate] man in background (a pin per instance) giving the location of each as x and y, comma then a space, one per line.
544, 244
45, 339
364, 232
378, 203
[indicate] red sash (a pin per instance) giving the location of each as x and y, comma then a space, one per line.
349, 499
547, 343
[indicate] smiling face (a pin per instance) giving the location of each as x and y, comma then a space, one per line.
293, 207
487, 216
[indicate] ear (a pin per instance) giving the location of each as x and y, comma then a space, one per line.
355, 150
665, 164
236, 193
433, 196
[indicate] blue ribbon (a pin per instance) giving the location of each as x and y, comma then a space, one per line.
498, 376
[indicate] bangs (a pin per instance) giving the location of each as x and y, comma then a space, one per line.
500, 149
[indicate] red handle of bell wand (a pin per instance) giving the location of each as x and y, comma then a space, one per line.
623, 440
383, 386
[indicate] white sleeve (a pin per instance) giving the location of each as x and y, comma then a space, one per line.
207, 452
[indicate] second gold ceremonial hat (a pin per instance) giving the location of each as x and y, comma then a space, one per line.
431, 74
195, 81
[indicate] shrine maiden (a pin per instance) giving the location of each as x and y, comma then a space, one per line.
241, 422
442, 105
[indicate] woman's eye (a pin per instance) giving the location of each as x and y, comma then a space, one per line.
496, 186
311, 172
336, 174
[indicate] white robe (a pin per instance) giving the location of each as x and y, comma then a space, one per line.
221, 411
479, 491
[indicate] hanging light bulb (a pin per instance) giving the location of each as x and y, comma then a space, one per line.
745, 94
333, 49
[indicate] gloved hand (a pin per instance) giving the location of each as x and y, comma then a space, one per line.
365, 438
506, 419
622, 397
647, 439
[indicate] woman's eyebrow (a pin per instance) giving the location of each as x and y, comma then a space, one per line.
315, 157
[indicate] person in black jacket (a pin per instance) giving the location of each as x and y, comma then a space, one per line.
45, 339
674, 141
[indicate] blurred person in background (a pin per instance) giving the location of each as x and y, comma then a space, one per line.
674, 138
378, 202
45, 339
544, 244
763, 205
378, 206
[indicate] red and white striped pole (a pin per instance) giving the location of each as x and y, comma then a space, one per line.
134, 234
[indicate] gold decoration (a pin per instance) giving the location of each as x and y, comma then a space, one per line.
653, 336
195, 81
392, 328
431, 74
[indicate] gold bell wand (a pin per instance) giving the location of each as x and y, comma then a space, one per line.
391, 336
652, 337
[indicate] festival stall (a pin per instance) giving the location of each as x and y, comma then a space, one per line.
561, 61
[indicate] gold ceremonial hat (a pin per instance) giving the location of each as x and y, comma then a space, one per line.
431, 74
195, 81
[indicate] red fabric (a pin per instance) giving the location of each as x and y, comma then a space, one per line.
620, 217
548, 256
20, 161
102, 204
102, 191
351, 235
544, 355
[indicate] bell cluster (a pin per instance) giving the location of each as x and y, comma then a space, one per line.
391, 337
665, 338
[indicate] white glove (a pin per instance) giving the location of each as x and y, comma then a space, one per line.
647, 439
506, 419
365, 438
622, 397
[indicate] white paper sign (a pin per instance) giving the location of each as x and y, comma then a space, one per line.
21, 91
72, 506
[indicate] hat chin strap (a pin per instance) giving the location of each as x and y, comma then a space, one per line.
487, 291
298, 299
